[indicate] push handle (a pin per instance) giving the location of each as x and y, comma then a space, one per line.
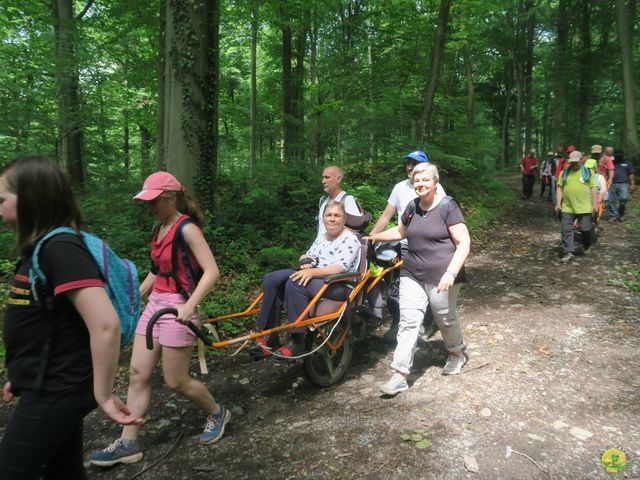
171, 311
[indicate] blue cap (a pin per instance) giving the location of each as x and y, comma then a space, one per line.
417, 155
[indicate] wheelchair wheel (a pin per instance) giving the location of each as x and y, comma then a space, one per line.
326, 367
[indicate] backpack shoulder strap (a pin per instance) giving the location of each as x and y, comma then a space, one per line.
443, 208
412, 206
179, 246
35, 262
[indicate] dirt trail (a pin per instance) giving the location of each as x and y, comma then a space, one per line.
553, 375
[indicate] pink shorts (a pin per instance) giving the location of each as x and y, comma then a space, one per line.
168, 332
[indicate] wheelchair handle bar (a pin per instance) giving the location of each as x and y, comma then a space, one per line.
165, 311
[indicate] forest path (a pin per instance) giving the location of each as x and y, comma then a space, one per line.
553, 375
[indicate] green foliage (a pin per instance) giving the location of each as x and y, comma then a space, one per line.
419, 438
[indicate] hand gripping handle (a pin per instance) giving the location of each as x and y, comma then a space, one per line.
172, 311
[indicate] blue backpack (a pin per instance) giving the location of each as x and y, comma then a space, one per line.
120, 276
584, 171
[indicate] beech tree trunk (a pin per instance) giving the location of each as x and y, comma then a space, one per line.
559, 73
528, 76
288, 133
190, 110
254, 90
625, 39
436, 59
70, 137
584, 89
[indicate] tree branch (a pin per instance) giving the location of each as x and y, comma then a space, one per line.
84, 10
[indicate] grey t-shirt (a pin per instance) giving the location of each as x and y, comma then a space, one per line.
430, 247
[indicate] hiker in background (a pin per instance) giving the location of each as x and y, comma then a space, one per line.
624, 182
432, 272
62, 344
169, 285
546, 175
528, 166
605, 165
332, 177
592, 165
576, 200
563, 163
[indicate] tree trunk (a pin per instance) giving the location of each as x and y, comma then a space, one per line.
190, 121
288, 136
560, 75
468, 70
584, 89
145, 151
69, 121
161, 66
625, 39
125, 146
528, 76
298, 85
504, 131
254, 90
315, 116
443, 19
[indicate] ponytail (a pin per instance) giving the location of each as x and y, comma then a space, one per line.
185, 203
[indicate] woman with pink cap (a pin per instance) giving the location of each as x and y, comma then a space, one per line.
177, 214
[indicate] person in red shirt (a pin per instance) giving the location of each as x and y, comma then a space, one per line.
528, 166
605, 162
563, 160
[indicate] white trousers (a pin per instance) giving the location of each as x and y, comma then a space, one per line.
414, 298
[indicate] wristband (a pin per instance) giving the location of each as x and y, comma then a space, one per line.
454, 275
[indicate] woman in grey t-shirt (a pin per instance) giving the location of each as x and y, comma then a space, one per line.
438, 245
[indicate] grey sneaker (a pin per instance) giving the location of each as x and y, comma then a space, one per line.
454, 364
567, 257
397, 384
214, 429
117, 453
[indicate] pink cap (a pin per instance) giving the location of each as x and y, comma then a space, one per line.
155, 184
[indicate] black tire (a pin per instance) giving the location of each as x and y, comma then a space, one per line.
325, 367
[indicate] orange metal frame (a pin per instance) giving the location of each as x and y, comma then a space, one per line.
301, 321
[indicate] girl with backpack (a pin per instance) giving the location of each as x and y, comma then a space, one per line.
62, 339
171, 283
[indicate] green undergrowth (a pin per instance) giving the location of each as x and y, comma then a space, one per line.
261, 225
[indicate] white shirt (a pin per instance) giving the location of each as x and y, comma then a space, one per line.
350, 207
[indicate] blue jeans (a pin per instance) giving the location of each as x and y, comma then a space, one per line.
618, 191
552, 183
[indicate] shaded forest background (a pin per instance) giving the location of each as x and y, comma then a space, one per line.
247, 101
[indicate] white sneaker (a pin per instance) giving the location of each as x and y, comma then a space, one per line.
397, 384
454, 364
567, 257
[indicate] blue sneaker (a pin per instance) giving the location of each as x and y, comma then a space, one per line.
214, 429
116, 453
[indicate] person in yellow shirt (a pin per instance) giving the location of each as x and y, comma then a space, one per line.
576, 200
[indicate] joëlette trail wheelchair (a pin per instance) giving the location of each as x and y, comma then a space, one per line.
332, 326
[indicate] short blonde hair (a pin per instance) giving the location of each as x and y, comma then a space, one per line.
430, 168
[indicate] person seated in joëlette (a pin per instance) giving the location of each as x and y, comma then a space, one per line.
334, 252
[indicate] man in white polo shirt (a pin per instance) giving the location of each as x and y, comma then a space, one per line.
332, 185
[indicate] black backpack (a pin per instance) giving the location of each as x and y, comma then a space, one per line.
179, 247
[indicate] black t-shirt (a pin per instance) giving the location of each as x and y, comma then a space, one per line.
67, 265
429, 245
